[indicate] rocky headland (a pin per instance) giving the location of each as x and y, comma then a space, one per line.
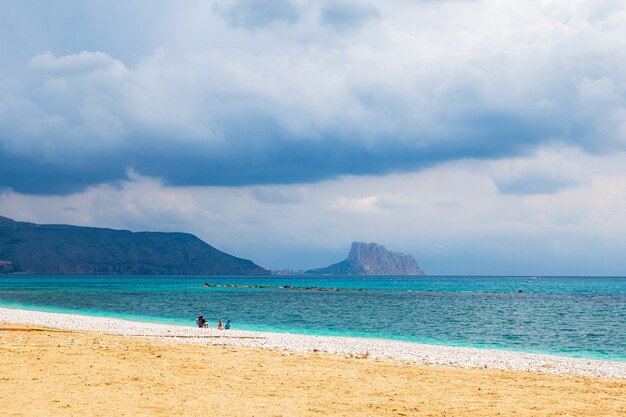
372, 259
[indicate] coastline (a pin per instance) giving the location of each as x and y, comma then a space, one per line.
383, 349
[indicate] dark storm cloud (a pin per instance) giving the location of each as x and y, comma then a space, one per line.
183, 94
33, 174
258, 151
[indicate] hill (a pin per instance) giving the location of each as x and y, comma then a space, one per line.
372, 259
64, 249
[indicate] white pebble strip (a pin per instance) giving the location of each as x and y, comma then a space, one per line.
347, 346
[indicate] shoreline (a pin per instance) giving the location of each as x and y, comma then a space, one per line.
178, 323
456, 357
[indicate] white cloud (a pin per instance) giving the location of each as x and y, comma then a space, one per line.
546, 172
81, 62
354, 204
418, 72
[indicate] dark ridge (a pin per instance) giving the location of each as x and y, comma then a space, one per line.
64, 249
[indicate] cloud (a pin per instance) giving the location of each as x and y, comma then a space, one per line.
546, 172
282, 195
355, 204
81, 62
206, 103
38, 175
259, 13
345, 15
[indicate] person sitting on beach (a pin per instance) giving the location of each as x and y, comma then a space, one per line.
227, 326
201, 322
219, 325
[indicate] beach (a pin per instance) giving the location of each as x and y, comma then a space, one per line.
60, 364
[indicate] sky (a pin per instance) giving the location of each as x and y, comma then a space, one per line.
480, 136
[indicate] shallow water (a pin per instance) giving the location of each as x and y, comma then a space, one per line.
573, 316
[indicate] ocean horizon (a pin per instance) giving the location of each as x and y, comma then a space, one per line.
569, 316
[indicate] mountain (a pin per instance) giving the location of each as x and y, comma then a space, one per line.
64, 249
372, 259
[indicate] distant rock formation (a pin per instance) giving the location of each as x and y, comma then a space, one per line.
64, 249
8, 267
288, 272
372, 259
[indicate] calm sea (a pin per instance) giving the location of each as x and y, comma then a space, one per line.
573, 316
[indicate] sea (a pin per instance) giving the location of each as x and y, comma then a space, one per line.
581, 317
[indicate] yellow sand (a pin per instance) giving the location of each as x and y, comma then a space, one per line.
64, 373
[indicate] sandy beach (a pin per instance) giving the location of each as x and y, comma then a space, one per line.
66, 365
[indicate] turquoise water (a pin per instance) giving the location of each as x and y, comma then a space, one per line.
572, 316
